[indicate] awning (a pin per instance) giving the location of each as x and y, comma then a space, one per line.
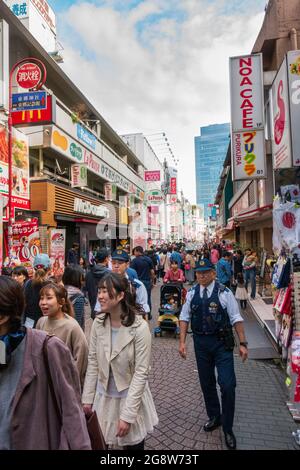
254, 214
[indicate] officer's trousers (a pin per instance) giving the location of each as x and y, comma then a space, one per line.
210, 354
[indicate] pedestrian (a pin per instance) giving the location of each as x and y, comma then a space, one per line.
241, 292
189, 267
73, 279
249, 266
20, 274
120, 261
6, 271
94, 276
224, 271
73, 254
116, 383
213, 310
28, 417
214, 255
58, 320
42, 273
145, 271
174, 274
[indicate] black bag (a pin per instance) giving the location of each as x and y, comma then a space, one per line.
95, 433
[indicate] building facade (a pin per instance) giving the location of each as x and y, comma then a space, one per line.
210, 151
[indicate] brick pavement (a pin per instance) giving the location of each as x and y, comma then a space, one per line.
262, 420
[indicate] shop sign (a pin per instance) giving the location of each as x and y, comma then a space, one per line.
246, 92
19, 8
154, 197
39, 117
248, 155
86, 207
57, 250
29, 101
78, 175
20, 164
26, 241
293, 58
152, 176
110, 192
281, 140
87, 137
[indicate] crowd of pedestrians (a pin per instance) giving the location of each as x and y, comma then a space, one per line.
110, 375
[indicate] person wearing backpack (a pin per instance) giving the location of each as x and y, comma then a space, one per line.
73, 279
213, 310
94, 276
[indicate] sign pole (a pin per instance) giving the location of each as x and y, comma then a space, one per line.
11, 211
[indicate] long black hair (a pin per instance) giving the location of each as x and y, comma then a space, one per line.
12, 302
115, 284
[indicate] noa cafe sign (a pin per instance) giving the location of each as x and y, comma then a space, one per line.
86, 207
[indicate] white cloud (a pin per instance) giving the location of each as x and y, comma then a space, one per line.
168, 75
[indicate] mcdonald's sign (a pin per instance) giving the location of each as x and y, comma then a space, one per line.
37, 117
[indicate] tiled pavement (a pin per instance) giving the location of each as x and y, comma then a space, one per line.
262, 420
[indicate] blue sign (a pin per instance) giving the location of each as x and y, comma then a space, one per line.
19, 9
29, 101
87, 137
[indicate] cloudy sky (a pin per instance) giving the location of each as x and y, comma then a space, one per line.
158, 65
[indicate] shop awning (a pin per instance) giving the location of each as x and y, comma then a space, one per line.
253, 214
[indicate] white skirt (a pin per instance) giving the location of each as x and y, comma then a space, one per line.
241, 293
108, 410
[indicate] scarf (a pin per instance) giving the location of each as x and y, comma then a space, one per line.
11, 342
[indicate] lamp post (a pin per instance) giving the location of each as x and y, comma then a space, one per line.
33, 82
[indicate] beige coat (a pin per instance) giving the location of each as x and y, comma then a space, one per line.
129, 361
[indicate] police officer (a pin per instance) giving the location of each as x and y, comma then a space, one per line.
212, 310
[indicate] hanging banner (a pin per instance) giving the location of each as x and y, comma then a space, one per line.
248, 155
247, 118
57, 251
110, 191
152, 175
78, 175
293, 58
281, 141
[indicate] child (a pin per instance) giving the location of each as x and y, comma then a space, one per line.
168, 309
172, 304
241, 293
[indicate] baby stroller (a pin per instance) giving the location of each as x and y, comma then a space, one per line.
171, 299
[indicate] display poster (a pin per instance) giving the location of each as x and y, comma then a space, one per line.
26, 242
57, 251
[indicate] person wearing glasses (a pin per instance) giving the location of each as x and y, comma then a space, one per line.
213, 310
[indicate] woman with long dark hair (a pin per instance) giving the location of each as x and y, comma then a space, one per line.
28, 417
116, 383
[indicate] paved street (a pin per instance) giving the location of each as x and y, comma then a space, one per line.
262, 420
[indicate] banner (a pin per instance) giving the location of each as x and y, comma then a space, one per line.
26, 242
78, 175
247, 118
57, 251
152, 175
281, 141
110, 191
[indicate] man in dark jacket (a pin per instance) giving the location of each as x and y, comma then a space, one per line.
94, 275
73, 254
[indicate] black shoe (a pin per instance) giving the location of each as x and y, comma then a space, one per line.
212, 424
230, 440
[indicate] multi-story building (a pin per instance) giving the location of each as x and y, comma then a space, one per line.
210, 151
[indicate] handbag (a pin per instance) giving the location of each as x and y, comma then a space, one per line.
95, 433
187, 266
93, 426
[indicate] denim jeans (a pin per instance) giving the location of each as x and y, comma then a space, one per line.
250, 274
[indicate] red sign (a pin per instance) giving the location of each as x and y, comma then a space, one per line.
26, 241
17, 203
42, 116
173, 186
29, 75
152, 175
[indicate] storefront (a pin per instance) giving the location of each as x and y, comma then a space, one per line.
88, 221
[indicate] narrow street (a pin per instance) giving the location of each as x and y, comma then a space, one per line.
262, 420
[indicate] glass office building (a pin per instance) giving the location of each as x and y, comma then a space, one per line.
210, 152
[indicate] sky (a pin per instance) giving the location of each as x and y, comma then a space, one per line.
156, 66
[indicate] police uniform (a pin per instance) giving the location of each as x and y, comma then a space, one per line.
213, 311
140, 289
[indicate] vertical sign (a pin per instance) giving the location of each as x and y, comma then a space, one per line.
78, 175
1, 230
281, 141
57, 251
247, 117
4, 64
293, 58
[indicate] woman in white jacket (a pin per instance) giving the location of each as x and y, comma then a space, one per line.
116, 383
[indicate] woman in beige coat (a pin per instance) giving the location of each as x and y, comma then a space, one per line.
116, 383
